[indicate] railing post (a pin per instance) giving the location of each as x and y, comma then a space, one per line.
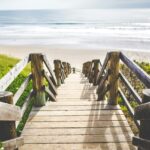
57, 66
96, 70
113, 77
65, 69
38, 79
7, 128
145, 124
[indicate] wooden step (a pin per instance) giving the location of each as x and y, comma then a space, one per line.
76, 118
87, 146
88, 124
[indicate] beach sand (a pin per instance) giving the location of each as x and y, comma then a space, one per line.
75, 55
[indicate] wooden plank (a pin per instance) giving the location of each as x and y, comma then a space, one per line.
13, 144
82, 102
77, 131
140, 73
129, 107
77, 139
50, 94
77, 108
103, 67
130, 88
76, 99
75, 96
89, 124
49, 69
76, 118
9, 112
88, 146
27, 101
13, 73
21, 89
51, 85
76, 113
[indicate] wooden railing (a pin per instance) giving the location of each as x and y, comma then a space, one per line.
111, 81
44, 87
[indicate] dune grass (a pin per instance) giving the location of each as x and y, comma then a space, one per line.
6, 63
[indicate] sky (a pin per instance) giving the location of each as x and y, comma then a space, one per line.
72, 4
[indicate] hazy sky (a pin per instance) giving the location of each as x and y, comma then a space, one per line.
72, 4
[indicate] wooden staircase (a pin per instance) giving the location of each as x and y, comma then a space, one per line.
77, 121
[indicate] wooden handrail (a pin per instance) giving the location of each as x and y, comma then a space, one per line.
13, 73
111, 62
36, 96
103, 67
130, 88
53, 77
22, 88
142, 75
143, 144
142, 113
130, 109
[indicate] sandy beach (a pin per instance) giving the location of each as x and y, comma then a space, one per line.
76, 55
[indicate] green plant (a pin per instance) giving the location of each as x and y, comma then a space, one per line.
6, 63
1, 146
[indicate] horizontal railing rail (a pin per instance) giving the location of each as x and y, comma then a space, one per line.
38, 86
113, 83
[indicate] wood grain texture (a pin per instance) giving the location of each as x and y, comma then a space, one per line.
13, 73
87, 146
76, 123
9, 112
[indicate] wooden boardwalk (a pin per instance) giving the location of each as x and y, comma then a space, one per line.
77, 121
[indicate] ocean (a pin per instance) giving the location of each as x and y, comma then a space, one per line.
127, 29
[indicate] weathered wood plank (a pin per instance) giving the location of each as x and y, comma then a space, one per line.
76, 113
129, 107
140, 73
50, 94
9, 112
21, 89
27, 101
89, 124
130, 88
76, 118
71, 123
77, 131
77, 108
82, 102
88, 146
103, 67
77, 139
75, 124
49, 69
13, 73
13, 144
51, 85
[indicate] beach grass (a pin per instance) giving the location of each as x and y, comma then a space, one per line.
6, 63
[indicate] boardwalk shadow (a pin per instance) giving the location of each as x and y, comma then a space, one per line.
100, 130
104, 130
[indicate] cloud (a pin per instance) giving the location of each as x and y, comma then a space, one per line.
61, 4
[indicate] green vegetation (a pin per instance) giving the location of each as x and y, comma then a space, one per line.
138, 86
1, 146
6, 63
